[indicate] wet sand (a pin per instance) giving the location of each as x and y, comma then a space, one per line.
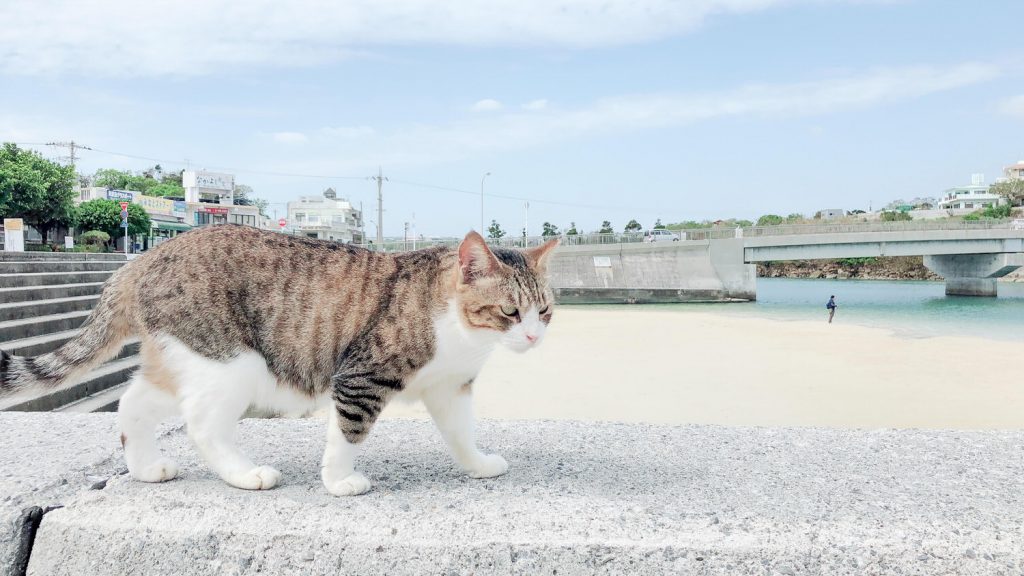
663, 366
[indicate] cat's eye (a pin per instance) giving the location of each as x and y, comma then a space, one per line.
544, 310
509, 310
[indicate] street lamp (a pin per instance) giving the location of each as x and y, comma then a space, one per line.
482, 201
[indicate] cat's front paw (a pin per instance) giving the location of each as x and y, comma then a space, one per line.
352, 485
488, 466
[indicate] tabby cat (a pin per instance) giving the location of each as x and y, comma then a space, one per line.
232, 317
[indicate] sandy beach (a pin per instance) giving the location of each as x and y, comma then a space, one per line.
663, 366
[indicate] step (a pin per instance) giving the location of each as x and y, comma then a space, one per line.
106, 376
27, 293
102, 401
59, 266
49, 256
36, 308
50, 278
36, 345
28, 327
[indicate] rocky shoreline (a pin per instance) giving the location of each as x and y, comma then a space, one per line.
888, 268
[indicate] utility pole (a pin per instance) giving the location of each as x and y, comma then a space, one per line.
526, 227
362, 225
71, 146
380, 204
482, 201
406, 236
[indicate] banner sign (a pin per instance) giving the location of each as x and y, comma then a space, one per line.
120, 195
213, 210
179, 209
155, 205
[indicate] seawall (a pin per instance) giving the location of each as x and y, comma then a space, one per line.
580, 498
684, 271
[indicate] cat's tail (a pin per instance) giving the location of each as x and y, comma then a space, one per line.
98, 340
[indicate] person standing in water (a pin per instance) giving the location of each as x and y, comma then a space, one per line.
831, 307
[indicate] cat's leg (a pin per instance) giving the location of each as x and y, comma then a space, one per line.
451, 407
357, 403
214, 395
142, 407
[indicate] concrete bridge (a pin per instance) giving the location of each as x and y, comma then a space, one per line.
969, 256
718, 264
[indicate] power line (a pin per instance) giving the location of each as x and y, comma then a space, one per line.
379, 178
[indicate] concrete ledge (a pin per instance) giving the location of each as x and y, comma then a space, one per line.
580, 498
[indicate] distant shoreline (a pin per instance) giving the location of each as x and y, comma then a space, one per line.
885, 268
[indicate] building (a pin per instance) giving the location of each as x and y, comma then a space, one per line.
973, 197
1015, 172
832, 213
209, 187
326, 217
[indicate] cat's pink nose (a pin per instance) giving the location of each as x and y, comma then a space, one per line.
532, 338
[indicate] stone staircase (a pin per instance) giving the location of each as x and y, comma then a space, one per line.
44, 298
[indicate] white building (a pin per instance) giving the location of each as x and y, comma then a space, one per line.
203, 186
832, 213
973, 197
326, 217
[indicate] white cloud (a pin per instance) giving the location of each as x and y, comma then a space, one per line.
1013, 106
538, 104
158, 37
289, 137
421, 144
486, 105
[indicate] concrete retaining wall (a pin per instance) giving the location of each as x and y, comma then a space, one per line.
580, 498
656, 272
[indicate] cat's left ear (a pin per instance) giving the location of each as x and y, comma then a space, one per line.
540, 255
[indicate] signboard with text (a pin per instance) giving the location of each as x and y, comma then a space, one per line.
14, 235
208, 180
213, 210
155, 205
120, 195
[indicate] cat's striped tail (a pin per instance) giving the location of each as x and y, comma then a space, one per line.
101, 337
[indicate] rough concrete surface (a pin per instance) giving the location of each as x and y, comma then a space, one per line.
45, 458
580, 498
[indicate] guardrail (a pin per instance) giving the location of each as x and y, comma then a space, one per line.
718, 233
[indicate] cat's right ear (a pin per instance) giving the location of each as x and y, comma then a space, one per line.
475, 259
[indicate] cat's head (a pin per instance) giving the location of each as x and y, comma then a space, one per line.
505, 290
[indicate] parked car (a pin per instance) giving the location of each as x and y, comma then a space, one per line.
660, 236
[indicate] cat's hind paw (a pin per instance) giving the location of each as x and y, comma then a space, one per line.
352, 485
488, 466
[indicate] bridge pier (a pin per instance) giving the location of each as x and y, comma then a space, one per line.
973, 274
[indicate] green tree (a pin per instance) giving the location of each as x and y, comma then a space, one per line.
243, 195
1012, 190
794, 218
494, 231
35, 189
606, 228
549, 229
572, 230
632, 226
658, 225
123, 180
105, 216
770, 220
166, 189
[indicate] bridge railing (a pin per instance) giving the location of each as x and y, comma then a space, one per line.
718, 233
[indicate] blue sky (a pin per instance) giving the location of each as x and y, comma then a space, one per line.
595, 110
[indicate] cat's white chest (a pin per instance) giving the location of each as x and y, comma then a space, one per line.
458, 358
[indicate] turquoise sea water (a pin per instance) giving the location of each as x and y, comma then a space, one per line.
908, 308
